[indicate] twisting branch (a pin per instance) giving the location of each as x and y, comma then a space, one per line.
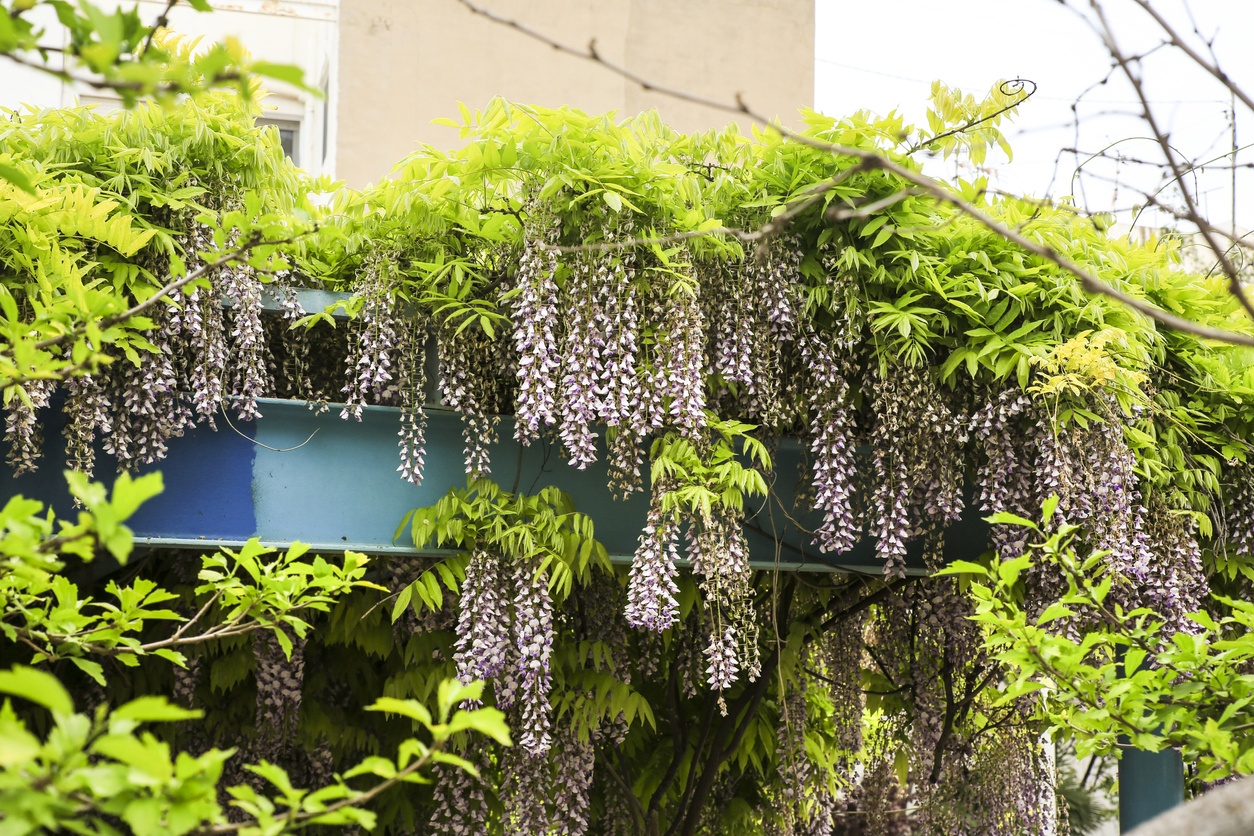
871, 160
1011, 87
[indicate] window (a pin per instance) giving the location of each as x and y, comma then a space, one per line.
289, 136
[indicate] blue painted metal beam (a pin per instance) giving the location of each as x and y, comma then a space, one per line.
332, 483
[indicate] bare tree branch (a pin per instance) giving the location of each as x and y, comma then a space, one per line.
1134, 78
873, 160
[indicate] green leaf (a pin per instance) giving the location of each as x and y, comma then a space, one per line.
373, 765
1054, 612
130, 493
17, 177
155, 710
406, 708
92, 669
289, 73
37, 686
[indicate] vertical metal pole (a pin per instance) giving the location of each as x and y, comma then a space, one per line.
1149, 783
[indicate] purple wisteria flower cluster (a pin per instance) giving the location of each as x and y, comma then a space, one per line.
831, 446
248, 373
505, 637
536, 332
280, 685
751, 308
468, 368
1006, 476
589, 286
373, 344
461, 806
22, 427
533, 639
679, 362
484, 647
803, 804
917, 444
599, 381
1238, 515
207, 350
412, 380
652, 591
839, 652
720, 563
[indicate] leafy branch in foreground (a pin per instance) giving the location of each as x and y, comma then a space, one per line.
1112, 675
117, 50
66, 770
246, 589
89, 771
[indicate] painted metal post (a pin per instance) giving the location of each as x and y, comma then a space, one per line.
1150, 783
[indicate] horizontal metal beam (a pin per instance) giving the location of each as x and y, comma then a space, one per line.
332, 483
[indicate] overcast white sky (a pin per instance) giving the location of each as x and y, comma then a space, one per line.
883, 56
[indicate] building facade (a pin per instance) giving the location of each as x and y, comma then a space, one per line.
384, 69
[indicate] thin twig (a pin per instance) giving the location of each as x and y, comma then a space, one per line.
876, 160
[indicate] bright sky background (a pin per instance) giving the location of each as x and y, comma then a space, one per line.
883, 56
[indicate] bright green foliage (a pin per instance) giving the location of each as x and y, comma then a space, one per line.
935, 287
913, 282
103, 226
700, 481
544, 527
78, 771
91, 770
1110, 677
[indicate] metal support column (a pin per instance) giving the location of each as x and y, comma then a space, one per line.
1149, 783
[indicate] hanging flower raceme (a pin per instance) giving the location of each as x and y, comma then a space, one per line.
533, 614
721, 654
374, 342
22, 427
248, 375
832, 447
536, 322
677, 378
917, 446
87, 418
588, 286
1006, 476
467, 376
574, 763
720, 563
484, 647
460, 806
280, 683
204, 327
652, 591
525, 788
734, 322
1238, 513
412, 379
146, 410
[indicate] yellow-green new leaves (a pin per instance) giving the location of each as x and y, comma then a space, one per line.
724, 476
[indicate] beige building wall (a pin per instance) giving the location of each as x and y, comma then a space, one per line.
403, 63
